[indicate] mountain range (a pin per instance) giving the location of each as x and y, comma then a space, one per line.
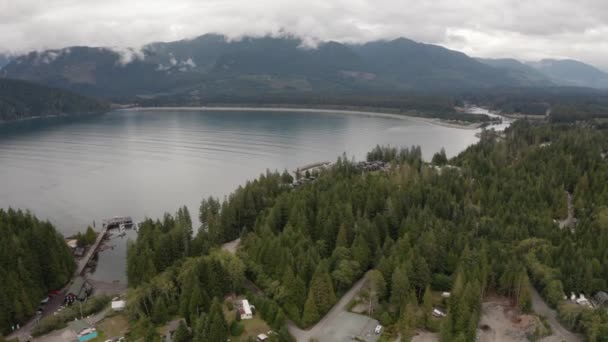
212, 66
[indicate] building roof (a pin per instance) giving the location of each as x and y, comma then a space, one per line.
78, 326
78, 288
246, 307
601, 296
118, 304
76, 285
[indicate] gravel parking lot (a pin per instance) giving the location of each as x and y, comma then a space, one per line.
348, 325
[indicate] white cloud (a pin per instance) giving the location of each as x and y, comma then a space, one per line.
490, 28
127, 55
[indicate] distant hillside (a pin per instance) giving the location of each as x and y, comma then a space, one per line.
210, 66
572, 73
520, 71
22, 100
425, 66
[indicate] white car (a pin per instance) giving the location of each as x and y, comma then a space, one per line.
378, 329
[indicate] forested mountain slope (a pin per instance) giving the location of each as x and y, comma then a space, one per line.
572, 73
212, 66
34, 260
484, 224
22, 100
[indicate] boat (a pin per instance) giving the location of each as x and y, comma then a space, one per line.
120, 222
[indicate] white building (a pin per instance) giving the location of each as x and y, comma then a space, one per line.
245, 310
118, 305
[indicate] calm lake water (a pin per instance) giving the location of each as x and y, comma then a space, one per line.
73, 171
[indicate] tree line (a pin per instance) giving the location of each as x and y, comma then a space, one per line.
22, 100
34, 260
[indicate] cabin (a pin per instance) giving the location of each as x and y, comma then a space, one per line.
601, 298
83, 330
262, 338
79, 290
72, 243
245, 310
438, 313
583, 301
118, 305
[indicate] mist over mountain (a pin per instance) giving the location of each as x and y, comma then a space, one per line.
5, 59
572, 73
211, 66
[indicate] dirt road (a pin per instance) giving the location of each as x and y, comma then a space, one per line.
306, 335
231, 246
559, 333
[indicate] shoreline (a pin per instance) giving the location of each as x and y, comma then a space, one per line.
432, 121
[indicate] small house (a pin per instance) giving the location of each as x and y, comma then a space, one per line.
118, 305
601, 298
438, 313
79, 290
83, 330
245, 310
262, 338
583, 301
72, 243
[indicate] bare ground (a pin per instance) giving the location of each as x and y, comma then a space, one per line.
500, 321
231, 246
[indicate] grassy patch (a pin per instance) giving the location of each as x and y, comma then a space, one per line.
115, 326
253, 327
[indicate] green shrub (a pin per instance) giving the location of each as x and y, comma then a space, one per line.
49, 324
236, 328
54, 322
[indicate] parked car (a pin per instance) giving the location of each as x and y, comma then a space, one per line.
378, 329
45, 300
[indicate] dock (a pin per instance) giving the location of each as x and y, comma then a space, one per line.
312, 166
82, 264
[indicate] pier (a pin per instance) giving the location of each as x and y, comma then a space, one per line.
82, 264
313, 166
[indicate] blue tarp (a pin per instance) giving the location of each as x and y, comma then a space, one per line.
87, 337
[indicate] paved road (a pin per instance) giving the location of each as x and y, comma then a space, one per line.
53, 304
306, 335
559, 332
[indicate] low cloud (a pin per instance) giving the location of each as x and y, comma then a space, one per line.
174, 64
128, 55
489, 28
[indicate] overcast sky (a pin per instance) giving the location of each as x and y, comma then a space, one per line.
524, 29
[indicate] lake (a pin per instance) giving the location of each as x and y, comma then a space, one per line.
143, 163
